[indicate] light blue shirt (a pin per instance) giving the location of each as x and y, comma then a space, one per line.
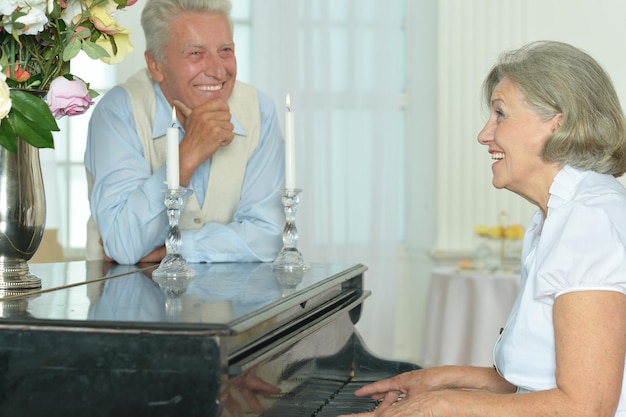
127, 200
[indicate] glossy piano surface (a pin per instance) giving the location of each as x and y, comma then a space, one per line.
220, 296
103, 339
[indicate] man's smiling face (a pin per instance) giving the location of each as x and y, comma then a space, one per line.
199, 60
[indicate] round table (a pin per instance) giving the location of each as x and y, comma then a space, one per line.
465, 311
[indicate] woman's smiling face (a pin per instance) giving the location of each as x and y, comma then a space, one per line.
515, 135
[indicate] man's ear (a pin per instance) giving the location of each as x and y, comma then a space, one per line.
153, 67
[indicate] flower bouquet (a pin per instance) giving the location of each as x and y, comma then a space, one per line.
502, 235
38, 39
513, 232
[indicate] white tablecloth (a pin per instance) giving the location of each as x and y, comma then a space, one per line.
464, 313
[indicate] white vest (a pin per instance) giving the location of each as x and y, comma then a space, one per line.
228, 164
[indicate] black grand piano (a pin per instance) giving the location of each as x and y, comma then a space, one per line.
241, 339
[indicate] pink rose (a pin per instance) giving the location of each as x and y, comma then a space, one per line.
68, 98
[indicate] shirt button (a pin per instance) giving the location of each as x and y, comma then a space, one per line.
197, 221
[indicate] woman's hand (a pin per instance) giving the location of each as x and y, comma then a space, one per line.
427, 404
415, 393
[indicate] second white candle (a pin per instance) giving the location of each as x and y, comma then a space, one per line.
290, 147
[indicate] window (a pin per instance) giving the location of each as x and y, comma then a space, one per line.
66, 187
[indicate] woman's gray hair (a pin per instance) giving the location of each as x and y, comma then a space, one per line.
555, 78
157, 16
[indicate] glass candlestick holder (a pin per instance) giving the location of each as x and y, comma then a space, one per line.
173, 287
174, 265
290, 258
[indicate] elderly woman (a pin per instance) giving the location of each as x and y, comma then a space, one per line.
557, 137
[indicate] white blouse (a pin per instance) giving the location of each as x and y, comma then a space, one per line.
580, 246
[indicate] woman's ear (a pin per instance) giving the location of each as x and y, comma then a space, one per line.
557, 122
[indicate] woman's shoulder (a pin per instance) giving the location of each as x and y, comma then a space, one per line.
597, 190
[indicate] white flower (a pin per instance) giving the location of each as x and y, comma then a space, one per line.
34, 20
74, 8
7, 7
5, 98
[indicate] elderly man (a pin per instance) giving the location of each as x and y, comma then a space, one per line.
231, 148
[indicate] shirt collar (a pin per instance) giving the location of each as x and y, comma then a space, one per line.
564, 185
160, 124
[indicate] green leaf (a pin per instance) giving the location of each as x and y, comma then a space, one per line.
93, 50
113, 44
16, 15
56, 11
8, 140
83, 33
33, 108
31, 119
34, 84
100, 3
72, 49
31, 132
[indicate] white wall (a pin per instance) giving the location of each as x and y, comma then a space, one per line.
131, 18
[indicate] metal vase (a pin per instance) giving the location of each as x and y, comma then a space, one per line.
22, 214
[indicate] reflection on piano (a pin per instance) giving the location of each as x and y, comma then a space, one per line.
241, 340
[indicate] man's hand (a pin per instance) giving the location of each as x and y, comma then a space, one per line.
207, 128
155, 256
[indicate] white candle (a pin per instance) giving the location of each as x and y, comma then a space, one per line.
173, 175
290, 147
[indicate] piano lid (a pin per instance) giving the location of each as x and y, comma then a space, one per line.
223, 299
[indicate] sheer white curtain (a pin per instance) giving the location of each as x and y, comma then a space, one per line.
342, 62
